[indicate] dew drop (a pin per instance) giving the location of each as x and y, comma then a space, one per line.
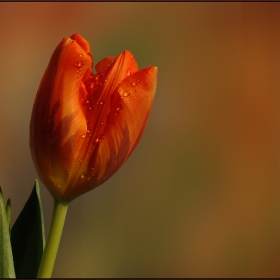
120, 107
79, 64
101, 102
83, 175
99, 139
83, 136
134, 90
128, 72
134, 84
127, 101
80, 55
126, 93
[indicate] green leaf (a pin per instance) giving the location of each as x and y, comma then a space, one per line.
6, 257
8, 212
28, 237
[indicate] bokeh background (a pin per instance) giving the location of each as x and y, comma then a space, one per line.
199, 197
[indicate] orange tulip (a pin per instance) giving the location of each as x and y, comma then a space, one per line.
84, 126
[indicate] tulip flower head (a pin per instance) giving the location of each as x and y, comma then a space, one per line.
84, 126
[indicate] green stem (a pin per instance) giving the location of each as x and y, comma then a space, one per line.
51, 248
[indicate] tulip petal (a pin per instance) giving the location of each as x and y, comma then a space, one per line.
104, 64
130, 109
125, 124
58, 121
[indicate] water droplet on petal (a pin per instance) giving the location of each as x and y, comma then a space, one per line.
120, 107
101, 102
127, 101
126, 93
99, 139
80, 55
134, 84
79, 64
128, 72
83, 136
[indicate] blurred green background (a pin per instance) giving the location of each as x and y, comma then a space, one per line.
199, 197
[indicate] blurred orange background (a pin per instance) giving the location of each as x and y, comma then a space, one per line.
199, 197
